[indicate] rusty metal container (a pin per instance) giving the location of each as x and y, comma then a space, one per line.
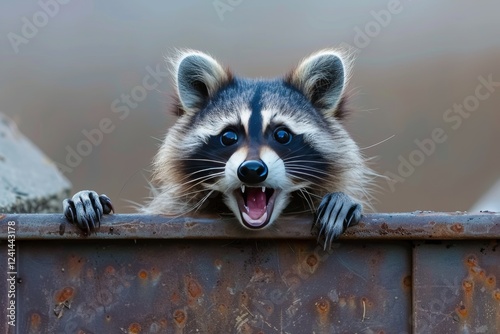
418, 272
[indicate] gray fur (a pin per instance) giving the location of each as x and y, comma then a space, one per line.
325, 167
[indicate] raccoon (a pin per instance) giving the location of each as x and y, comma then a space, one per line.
258, 148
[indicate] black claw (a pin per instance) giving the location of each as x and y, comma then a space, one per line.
86, 208
336, 212
69, 210
106, 204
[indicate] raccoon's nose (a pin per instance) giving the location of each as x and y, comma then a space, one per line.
252, 171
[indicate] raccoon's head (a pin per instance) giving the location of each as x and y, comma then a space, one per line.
259, 143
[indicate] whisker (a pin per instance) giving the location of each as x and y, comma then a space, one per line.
313, 195
208, 155
201, 171
297, 169
308, 161
296, 150
202, 180
303, 179
300, 156
202, 177
185, 194
307, 198
206, 160
293, 152
380, 142
307, 168
203, 200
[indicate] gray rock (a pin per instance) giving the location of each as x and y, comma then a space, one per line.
29, 181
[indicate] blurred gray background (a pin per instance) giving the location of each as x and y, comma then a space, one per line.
66, 66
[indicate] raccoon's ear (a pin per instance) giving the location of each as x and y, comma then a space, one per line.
197, 77
322, 77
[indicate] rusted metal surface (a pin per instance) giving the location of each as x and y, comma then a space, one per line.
393, 273
383, 226
207, 286
457, 287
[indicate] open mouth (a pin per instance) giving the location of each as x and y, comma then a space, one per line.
256, 205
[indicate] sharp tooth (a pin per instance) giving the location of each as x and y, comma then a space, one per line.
263, 189
243, 188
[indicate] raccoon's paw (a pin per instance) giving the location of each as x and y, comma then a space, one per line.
336, 212
86, 208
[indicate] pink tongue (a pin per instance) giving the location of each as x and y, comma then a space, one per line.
256, 202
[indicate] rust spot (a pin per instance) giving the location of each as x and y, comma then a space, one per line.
457, 228
222, 308
312, 260
365, 302
462, 311
351, 302
163, 323
110, 270
175, 298
218, 263
134, 328
323, 306
62, 228
400, 231
407, 282
180, 318
471, 261
64, 295
63, 300
193, 288
323, 309
468, 286
491, 281
496, 294
35, 320
143, 274
477, 271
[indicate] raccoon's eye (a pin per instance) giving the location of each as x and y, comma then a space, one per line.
282, 136
228, 138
